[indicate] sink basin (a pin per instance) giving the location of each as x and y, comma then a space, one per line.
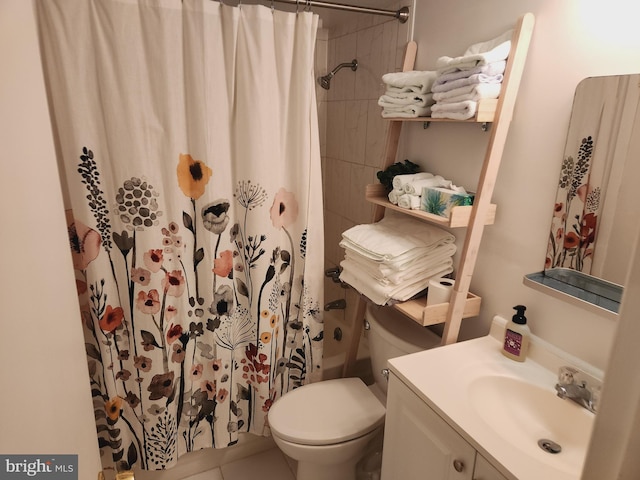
523, 413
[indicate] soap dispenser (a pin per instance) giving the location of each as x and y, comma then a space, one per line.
516, 336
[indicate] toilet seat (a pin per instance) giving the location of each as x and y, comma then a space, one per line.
326, 413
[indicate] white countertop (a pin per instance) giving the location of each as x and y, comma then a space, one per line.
441, 378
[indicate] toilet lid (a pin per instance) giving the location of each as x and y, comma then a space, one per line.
326, 413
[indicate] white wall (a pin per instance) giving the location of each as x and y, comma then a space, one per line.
572, 39
45, 406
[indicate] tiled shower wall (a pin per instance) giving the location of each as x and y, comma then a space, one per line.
352, 131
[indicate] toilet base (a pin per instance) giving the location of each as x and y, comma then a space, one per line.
327, 462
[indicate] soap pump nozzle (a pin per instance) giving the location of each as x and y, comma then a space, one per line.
519, 317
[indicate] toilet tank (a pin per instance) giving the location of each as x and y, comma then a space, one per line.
391, 335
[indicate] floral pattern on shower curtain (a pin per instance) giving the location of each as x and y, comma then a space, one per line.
187, 135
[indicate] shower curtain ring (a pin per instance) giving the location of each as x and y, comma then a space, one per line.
297, 5
272, 6
308, 7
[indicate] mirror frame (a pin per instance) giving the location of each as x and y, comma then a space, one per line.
611, 119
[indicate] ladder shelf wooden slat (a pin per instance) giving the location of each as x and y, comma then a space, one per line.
426, 315
460, 215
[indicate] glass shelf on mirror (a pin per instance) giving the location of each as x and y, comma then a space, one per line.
592, 293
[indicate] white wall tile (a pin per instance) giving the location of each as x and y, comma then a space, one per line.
335, 129
376, 135
355, 136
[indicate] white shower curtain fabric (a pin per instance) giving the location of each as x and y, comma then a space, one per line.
188, 139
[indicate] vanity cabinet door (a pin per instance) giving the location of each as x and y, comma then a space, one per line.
418, 444
485, 471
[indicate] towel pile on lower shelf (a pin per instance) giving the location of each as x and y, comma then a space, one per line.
462, 82
394, 259
407, 189
408, 94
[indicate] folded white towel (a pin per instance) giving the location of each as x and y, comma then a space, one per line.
404, 259
393, 236
404, 95
412, 202
396, 100
469, 92
412, 81
477, 54
415, 187
381, 294
407, 111
455, 111
394, 195
470, 80
490, 69
389, 269
386, 274
399, 181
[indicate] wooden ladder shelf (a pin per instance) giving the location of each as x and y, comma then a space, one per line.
462, 304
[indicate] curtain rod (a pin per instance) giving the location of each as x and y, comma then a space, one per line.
402, 15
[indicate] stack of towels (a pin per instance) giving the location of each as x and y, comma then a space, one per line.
408, 94
462, 81
394, 259
407, 189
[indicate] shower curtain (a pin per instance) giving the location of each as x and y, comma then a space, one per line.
188, 140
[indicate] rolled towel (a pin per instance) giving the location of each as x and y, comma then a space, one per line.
465, 81
399, 181
411, 202
394, 195
477, 54
412, 81
490, 69
470, 92
407, 111
398, 100
455, 111
415, 187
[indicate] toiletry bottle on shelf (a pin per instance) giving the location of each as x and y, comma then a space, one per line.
516, 336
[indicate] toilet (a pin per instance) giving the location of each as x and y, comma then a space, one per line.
327, 426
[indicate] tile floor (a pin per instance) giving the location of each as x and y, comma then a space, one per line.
268, 465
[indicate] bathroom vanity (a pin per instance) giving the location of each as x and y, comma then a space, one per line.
466, 412
420, 444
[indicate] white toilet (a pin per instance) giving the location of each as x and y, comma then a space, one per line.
327, 426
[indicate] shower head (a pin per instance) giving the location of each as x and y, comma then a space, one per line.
325, 82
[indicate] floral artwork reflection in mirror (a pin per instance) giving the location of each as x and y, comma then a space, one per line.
575, 217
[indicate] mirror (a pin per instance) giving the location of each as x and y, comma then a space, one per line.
595, 220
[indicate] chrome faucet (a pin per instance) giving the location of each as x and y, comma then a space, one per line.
569, 387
